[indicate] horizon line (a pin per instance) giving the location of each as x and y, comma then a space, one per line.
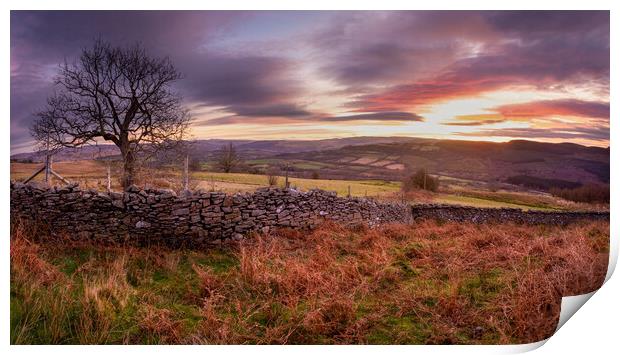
30, 144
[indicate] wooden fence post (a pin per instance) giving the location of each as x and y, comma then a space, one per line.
186, 174
47, 168
109, 178
286, 183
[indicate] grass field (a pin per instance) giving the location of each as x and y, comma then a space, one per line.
452, 199
358, 187
421, 284
92, 174
299, 164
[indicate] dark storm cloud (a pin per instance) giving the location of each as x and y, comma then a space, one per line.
529, 23
41, 40
244, 85
276, 110
247, 86
50, 36
29, 92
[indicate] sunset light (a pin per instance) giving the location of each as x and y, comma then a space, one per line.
485, 75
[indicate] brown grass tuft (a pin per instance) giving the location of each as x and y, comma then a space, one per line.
160, 322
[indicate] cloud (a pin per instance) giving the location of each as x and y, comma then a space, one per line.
596, 110
554, 55
548, 108
475, 120
41, 40
275, 110
473, 123
360, 49
244, 85
308, 118
517, 67
249, 86
50, 36
531, 23
597, 134
379, 65
424, 93
377, 116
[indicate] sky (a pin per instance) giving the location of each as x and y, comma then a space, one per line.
473, 75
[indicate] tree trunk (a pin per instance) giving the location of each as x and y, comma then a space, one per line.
128, 169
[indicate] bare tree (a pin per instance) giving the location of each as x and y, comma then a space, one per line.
228, 158
115, 94
272, 176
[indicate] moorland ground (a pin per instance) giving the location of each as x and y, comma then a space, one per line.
426, 283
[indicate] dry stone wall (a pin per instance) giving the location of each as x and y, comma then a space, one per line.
151, 216
452, 213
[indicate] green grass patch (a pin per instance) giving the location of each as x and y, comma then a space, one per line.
481, 288
481, 202
217, 260
407, 329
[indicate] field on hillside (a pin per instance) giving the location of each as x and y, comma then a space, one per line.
426, 283
92, 174
533, 164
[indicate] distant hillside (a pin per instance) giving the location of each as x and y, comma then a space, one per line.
514, 162
72, 154
206, 147
527, 163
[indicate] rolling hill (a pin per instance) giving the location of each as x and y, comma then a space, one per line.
531, 164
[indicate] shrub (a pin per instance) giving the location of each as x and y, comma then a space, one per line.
420, 180
315, 175
590, 193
